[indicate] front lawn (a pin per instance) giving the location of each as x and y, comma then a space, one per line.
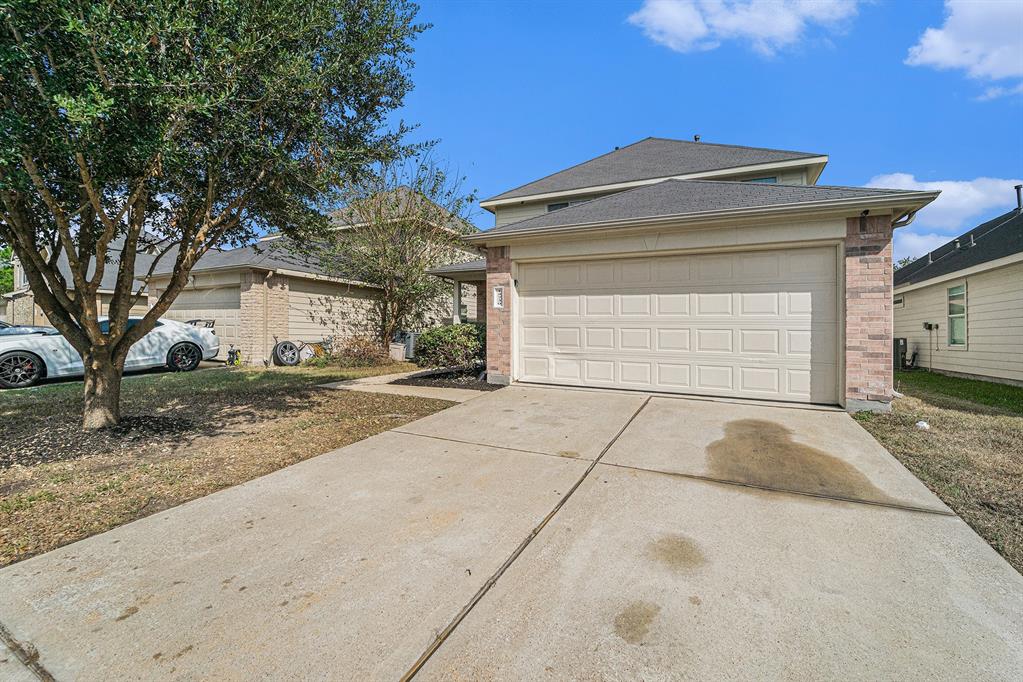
972, 456
182, 436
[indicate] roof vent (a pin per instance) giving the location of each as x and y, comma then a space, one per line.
696, 138
958, 245
1019, 198
973, 242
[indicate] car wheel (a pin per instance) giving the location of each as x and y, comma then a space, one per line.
286, 354
184, 357
19, 369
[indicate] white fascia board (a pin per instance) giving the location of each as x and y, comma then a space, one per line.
897, 203
965, 272
816, 161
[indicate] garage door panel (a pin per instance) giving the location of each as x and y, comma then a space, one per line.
758, 324
221, 304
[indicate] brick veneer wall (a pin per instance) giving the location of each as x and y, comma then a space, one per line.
263, 313
481, 302
868, 314
499, 321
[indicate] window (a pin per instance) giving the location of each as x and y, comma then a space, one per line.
555, 207
898, 302
764, 181
957, 315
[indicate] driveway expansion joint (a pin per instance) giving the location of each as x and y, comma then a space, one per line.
477, 444
785, 491
492, 580
26, 654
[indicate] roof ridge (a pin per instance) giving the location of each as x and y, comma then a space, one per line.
733, 146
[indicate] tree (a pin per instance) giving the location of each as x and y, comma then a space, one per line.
903, 262
177, 127
406, 217
6, 271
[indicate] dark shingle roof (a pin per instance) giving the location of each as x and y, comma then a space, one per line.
653, 157
272, 254
997, 238
672, 198
456, 268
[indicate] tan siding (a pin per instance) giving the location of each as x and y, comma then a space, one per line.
320, 309
994, 325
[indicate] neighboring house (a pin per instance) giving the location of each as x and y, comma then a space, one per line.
272, 291
970, 293
695, 268
21, 305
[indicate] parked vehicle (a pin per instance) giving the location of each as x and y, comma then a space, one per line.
27, 358
16, 329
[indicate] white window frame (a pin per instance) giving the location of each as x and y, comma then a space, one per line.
964, 315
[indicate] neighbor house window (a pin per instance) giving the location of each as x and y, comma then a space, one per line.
957, 315
555, 207
766, 181
898, 302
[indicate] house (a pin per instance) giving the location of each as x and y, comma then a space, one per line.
695, 268
21, 305
960, 307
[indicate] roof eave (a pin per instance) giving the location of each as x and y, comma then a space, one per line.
815, 162
910, 201
993, 264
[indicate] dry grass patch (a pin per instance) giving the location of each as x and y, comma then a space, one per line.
185, 436
972, 456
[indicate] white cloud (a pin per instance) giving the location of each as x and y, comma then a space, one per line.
997, 91
982, 37
910, 244
962, 205
768, 25
960, 201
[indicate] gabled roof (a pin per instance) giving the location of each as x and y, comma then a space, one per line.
652, 158
995, 239
399, 202
277, 253
693, 198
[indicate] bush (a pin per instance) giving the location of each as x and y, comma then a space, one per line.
451, 345
355, 351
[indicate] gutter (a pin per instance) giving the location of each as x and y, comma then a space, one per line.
880, 201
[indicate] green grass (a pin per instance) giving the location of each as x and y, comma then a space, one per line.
950, 391
972, 454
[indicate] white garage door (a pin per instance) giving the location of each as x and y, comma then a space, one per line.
758, 324
222, 304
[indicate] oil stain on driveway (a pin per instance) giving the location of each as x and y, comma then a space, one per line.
682, 539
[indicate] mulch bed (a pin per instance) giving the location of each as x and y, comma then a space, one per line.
458, 379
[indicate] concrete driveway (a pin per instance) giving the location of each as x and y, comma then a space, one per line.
540, 533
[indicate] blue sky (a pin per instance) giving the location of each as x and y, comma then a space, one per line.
904, 94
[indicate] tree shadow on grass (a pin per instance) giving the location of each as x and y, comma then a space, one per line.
32, 439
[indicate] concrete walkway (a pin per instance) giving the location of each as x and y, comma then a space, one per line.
382, 384
539, 533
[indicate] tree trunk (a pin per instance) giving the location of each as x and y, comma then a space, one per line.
102, 391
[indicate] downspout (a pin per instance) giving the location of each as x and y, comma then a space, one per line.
904, 219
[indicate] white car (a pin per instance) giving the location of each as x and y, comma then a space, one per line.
27, 358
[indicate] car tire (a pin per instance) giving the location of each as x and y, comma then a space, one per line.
20, 369
286, 354
184, 357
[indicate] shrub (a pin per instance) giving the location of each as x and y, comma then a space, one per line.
355, 351
453, 344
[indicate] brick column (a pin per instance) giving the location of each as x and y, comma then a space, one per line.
263, 313
868, 313
481, 302
499, 320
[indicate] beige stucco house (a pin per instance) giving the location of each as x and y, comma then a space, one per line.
960, 307
696, 268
